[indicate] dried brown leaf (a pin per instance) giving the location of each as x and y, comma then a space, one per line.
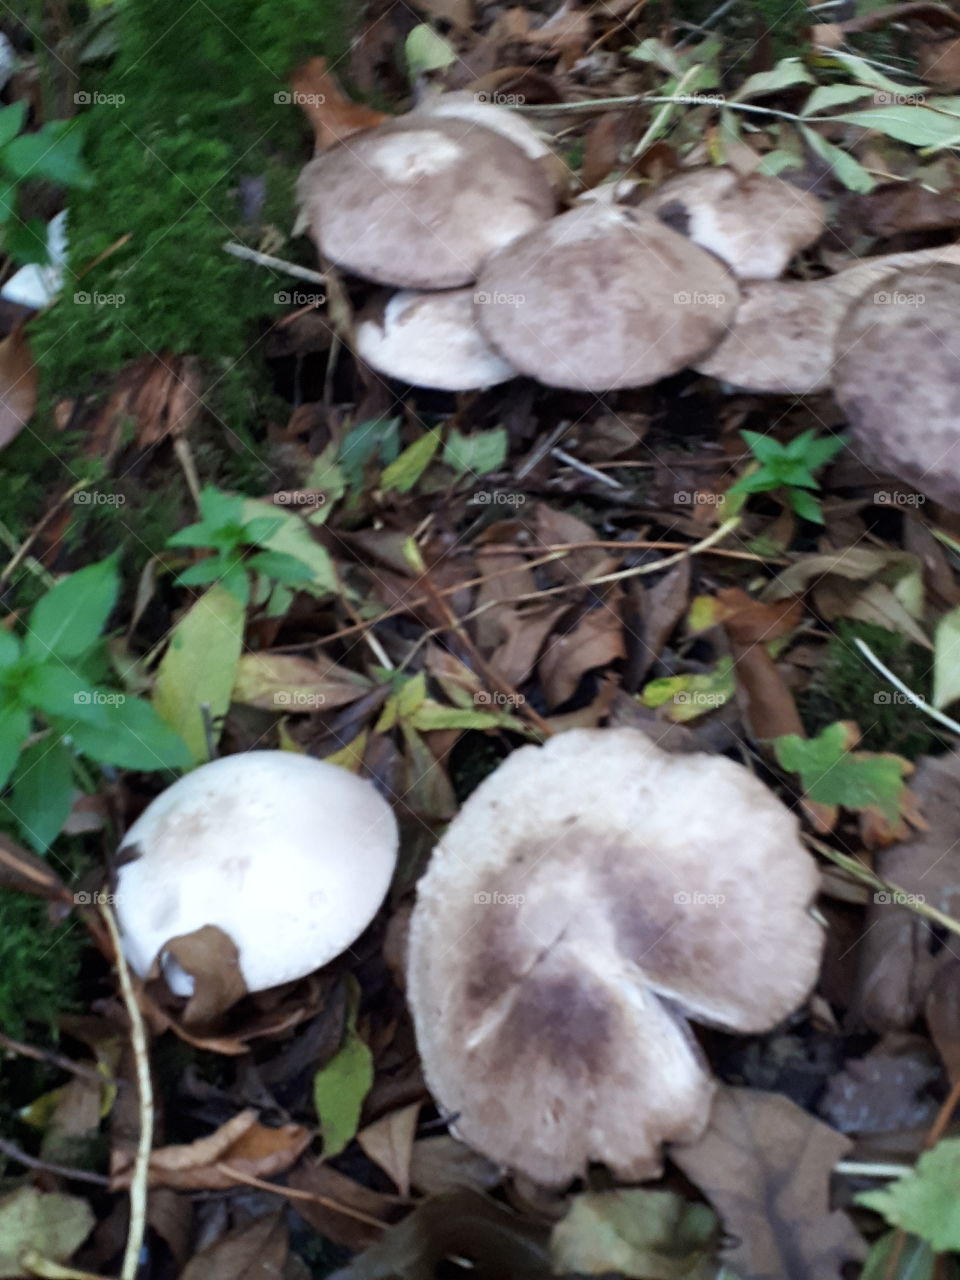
595, 641
389, 1143
343, 1210
331, 113
18, 385
283, 682
257, 1251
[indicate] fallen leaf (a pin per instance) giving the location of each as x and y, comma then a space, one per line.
52, 1224
344, 1211
212, 960
283, 682
943, 1016
18, 385
27, 873
925, 1200
442, 1164
340, 1087
886, 1091
834, 774
389, 1143
946, 660
765, 1165
331, 114
596, 641
257, 1251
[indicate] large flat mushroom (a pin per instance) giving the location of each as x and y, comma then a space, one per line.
604, 297
576, 912
897, 375
421, 202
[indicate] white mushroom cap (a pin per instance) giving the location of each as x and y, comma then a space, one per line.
462, 105
753, 222
604, 297
576, 909
897, 377
783, 338
430, 340
289, 856
423, 201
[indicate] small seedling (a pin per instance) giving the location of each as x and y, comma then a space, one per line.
788, 469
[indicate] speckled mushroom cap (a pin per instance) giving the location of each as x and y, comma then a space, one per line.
897, 378
423, 201
590, 895
784, 335
604, 297
753, 222
462, 105
430, 340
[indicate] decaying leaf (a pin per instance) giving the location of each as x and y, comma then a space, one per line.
332, 115
255, 1252
389, 1143
18, 385
288, 684
212, 960
596, 641
765, 1165
344, 1211
53, 1225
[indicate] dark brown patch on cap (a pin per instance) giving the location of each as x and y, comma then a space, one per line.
128, 853
676, 216
565, 1019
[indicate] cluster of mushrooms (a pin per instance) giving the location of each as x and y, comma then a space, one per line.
454, 205
566, 929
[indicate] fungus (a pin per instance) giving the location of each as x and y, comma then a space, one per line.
289, 856
604, 297
421, 202
578, 909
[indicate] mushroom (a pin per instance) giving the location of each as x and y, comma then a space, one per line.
421, 202
462, 105
896, 376
753, 222
430, 340
604, 297
782, 340
578, 909
289, 856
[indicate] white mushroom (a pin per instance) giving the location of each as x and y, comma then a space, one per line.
289, 856
592, 894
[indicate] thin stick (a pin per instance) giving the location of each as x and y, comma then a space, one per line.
57, 1060
584, 468
910, 696
277, 264
858, 1169
141, 1053
292, 1193
38, 1265
13, 1152
35, 532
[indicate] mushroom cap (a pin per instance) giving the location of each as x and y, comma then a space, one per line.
604, 297
423, 201
753, 222
896, 377
783, 338
463, 105
577, 908
430, 340
289, 856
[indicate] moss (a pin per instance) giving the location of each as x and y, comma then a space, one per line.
39, 966
846, 688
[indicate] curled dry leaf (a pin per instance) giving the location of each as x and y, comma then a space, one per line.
332, 115
212, 960
344, 1211
18, 385
257, 1251
389, 1143
595, 641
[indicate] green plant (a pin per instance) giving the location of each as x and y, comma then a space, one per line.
56, 709
788, 469
39, 964
51, 154
234, 541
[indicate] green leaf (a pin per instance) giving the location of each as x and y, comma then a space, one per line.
404, 473
378, 438
26, 242
14, 731
787, 72
868, 74
778, 161
805, 505
43, 791
649, 1235
70, 618
847, 170
925, 1201
53, 1225
946, 659
11, 121
57, 690
210, 569
425, 50
136, 739
52, 153
660, 54
294, 538
766, 448
281, 567
199, 668
688, 696
832, 774
9, 649
917, 126
340, 1087
916, 1260
826, 96
432, 715
478, 454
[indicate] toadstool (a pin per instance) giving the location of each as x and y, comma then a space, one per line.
896, 377
289, 856
604, 297
578, 909
430, 340
422, 201
753, 222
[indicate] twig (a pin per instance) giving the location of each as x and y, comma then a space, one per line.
277, 264
859, 1169
32, 536
292, 1193
57, 1060
910, 696
584, 468
38, 1265
141, 1164
13, 1152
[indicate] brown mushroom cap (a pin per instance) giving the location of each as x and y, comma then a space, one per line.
784, 334
604, 297
430, 340
753, 222
422, 202
897, 376
576, 909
